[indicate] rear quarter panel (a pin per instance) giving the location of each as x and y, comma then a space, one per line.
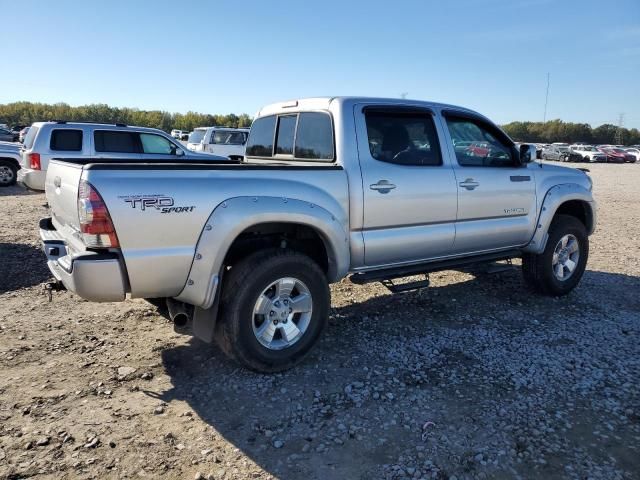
158, 246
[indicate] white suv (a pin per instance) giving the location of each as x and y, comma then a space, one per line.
226, 141
47, 140
589, 153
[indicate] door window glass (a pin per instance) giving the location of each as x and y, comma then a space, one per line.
260, 143
286, 133
115, 142
404, 138
156, 144
314, 138
476, 146
66, 140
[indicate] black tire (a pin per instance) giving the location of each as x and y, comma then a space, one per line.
241, 287
10, 169
537, 268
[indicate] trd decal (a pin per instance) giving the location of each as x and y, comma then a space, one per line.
161, 203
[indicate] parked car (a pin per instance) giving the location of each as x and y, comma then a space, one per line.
17, 128
47, 140
589, 153
329, 187
560, 152
177, 134
23, 133
635, 152
9, 164
7, 135
226, 141
618, 155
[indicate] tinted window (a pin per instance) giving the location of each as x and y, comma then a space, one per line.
67, 140
485, 150
228, 137
314, 138
260, 143
156, 144
405, 138
116, 142
286, 133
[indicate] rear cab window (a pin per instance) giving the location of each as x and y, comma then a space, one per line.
304, 136
112, 141
66, 140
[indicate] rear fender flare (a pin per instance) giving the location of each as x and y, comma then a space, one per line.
235, 215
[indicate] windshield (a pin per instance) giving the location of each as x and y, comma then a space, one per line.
563, 149
197, 135
618, 150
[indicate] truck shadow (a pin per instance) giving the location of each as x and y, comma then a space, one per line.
21, 266
326, 432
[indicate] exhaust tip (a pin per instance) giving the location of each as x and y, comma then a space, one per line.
180, 319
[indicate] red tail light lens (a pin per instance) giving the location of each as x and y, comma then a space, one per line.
95, 223
34, 161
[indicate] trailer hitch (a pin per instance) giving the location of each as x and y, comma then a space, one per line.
53, 286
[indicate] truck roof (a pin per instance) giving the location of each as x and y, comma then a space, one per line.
323, 103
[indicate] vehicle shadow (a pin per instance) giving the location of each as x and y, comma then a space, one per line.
17, 190
326, 433
21, 266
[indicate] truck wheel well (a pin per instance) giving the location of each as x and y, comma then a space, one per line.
579, 210
301, 238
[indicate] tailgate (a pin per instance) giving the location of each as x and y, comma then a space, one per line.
61, 189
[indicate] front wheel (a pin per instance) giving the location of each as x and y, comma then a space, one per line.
558, 269
275, 305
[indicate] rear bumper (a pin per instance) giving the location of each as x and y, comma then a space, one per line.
94, 276
33, 179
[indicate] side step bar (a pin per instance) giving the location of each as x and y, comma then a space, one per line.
425, 268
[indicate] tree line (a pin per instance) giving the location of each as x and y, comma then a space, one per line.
559, 131
25, 113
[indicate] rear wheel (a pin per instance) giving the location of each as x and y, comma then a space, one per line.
8, 173
558, 269
274, 307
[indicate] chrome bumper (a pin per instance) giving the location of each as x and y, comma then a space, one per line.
94, 276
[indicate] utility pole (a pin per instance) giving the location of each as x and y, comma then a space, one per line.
619, 136
546, 100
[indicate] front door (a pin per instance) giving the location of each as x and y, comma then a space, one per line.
496, 195
409, 186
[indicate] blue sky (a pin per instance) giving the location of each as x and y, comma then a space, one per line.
235, 56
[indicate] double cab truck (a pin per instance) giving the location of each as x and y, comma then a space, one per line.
368, 188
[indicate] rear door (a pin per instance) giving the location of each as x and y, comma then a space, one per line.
496, 196
116, 144
409, 187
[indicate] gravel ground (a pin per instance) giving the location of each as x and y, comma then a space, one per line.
473, 378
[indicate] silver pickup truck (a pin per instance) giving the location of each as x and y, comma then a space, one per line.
383, 190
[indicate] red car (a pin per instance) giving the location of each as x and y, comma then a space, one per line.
479, 149
617, 155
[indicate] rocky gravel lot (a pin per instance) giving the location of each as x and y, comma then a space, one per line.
474, 378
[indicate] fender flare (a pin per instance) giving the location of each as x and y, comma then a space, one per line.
235, 215
554, 198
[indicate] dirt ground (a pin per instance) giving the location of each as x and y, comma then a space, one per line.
473, 378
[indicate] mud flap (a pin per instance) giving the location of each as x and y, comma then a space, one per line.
204, 322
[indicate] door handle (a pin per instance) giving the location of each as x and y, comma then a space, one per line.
383, 186
469, 184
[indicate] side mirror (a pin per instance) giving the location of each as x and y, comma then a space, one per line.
179, 152
527, 153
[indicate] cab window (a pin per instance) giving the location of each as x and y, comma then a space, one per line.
478, 145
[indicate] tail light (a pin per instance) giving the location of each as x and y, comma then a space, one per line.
34, 161
95, 223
